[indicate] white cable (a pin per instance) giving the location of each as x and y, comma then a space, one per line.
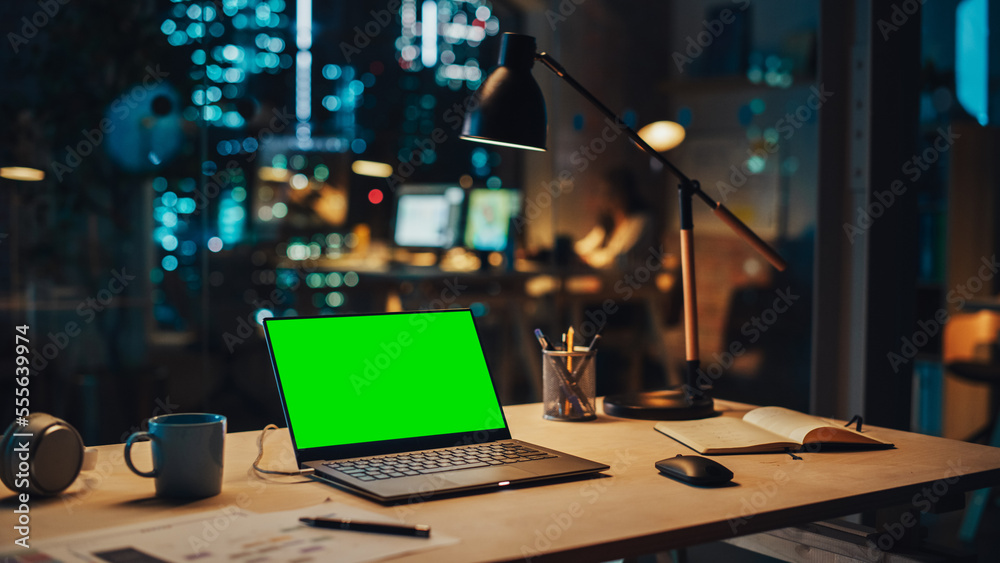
260, 454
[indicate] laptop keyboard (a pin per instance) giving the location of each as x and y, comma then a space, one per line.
436, 461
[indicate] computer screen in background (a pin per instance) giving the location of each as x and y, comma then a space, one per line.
428, 216
488, 219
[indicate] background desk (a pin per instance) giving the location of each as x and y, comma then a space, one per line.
510, 303
632, 511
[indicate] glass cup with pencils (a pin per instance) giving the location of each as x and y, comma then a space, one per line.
568, 378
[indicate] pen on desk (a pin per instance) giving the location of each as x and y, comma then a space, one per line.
417, 530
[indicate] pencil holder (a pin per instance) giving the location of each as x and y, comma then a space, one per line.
569, 384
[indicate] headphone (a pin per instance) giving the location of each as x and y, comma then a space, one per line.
44, 457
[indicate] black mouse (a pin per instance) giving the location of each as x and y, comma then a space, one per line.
695, 470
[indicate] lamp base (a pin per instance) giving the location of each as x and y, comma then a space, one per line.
669, 404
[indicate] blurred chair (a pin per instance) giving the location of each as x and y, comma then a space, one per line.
970, 353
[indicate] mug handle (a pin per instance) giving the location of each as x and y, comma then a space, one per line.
138, 436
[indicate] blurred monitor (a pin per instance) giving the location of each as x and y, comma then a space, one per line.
428, 216
488, 220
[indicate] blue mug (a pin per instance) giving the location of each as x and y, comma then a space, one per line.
187, 454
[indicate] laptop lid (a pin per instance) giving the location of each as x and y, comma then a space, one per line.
371, 384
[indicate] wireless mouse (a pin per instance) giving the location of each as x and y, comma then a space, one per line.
695, 470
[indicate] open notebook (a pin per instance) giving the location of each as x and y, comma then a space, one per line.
764, 429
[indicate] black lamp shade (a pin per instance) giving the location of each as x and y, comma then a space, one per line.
508, 107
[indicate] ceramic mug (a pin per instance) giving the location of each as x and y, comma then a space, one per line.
187, 454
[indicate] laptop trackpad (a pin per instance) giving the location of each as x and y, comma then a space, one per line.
487, 474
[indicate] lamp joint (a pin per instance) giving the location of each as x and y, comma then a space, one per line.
548, 61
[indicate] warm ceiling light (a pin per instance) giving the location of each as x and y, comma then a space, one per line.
369, 168
662, 135
271, 174
22, 173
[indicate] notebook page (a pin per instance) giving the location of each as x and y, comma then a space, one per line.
722, 434
787, 423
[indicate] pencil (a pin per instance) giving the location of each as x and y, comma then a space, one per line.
569, 361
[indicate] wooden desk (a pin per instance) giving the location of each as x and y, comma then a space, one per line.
632, 511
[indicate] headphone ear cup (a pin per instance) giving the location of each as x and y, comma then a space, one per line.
57, 458
55, 454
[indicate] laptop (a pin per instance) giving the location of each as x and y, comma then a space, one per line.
401, 406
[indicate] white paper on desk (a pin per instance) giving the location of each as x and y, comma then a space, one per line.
233, 534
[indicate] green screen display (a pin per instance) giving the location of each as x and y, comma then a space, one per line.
357, 379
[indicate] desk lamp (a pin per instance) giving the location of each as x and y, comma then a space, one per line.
510, 111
